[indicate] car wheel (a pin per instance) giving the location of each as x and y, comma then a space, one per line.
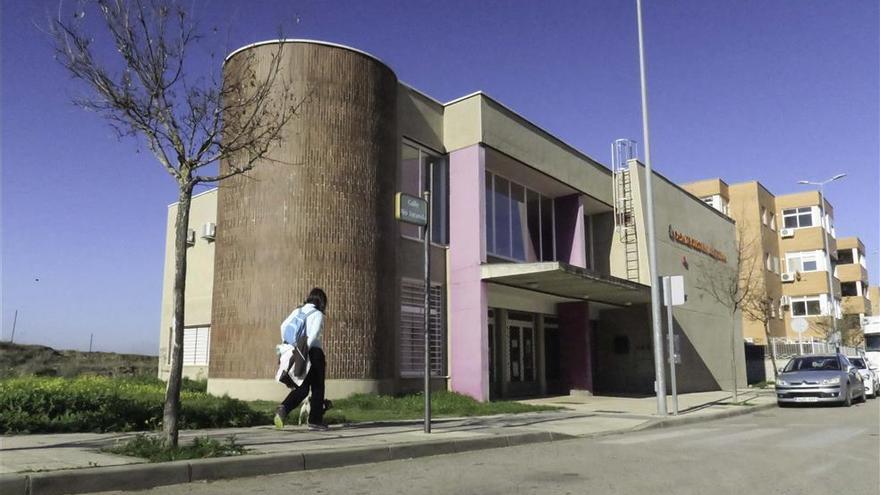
847, 402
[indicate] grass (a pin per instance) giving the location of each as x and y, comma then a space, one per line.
153, 448
362, 408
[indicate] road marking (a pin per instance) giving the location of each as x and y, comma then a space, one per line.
653, 437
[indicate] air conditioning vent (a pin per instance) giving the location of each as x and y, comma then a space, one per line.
789, 277
786, 233
209, 230
190, 237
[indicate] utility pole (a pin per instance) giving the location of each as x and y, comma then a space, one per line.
14, 321
656, 318
91, 338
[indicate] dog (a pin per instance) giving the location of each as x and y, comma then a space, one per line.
306, 407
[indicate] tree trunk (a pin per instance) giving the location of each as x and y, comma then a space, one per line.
172, 391
770, 348
733, 357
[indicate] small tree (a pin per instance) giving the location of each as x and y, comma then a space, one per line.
759, 307
147, 90
849, 329
731, 285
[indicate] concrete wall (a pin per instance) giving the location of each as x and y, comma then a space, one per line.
199, 279
704, 323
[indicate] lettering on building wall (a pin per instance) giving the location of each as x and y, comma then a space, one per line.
696, 245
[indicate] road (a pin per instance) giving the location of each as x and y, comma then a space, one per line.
777, 451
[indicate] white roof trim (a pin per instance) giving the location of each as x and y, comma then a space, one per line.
194, 196
301, 40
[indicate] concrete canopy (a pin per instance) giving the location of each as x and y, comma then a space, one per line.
565, 280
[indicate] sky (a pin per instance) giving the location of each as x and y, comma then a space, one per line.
773, 90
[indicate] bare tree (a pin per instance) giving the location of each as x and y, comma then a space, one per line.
760, 307
202, 130
849, 329
731, 285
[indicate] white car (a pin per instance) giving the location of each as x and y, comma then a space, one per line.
869, 376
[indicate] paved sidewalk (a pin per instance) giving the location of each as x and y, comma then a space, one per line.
35, 461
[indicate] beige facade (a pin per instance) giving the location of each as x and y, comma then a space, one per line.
788, 237
874, 298
199, 289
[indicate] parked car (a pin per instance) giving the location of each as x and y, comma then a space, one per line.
822, 378
869, 376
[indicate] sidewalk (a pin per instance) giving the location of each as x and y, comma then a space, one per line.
73, 463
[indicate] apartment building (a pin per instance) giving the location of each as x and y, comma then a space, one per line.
789, 241
539, 280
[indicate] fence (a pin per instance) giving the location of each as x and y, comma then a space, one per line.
787, 348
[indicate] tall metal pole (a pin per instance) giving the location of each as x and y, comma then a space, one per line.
14, 321
826, 232
427, 320
670, 333
91, 338
656, 319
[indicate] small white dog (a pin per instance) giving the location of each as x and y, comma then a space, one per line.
306, 407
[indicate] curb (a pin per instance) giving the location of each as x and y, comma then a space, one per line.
689, 420
145, 476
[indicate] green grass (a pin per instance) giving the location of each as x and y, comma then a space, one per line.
153, 448
363, 408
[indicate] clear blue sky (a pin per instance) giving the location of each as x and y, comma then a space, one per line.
749, 89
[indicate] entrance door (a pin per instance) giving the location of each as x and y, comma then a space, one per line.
522, 361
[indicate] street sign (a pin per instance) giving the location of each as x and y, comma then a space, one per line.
799, 325
675, 292
410, 209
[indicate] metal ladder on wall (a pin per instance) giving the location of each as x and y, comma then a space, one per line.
623, 150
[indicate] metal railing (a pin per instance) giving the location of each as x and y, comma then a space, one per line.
787, 348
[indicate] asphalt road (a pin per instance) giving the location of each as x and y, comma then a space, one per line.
824, 450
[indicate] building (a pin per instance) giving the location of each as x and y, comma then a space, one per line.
540, 284
874, 297
785, 239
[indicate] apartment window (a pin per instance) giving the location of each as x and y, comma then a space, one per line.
806, 306
849, 289
796, 218
845, 257
519, 221
807, 261
775, 261
422, 169
412, 336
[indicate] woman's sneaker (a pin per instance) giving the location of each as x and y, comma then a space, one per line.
318, 427
280, 414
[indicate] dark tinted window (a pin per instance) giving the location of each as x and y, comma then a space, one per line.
858, 363
872, 342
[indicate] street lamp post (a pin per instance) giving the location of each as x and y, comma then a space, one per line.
825, 235
656, 321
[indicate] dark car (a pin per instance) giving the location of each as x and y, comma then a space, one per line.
825, 378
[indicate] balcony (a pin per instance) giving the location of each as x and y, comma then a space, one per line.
807, 239
855, 305
852, 273
809, 284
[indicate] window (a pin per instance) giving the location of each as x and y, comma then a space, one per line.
415, 165
806, 261
776, 264
849, 289
519, 221
845, 257
806, 306
772, 222
412, 336
768, 263
196, 345
797, 218
764, 218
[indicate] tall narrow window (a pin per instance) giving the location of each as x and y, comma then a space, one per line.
521, 247
490, 214
502, 217
421, 170
410, 183
412, 336
548, 243
533, 212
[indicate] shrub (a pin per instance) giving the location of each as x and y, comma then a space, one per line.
98, 404
153, 448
